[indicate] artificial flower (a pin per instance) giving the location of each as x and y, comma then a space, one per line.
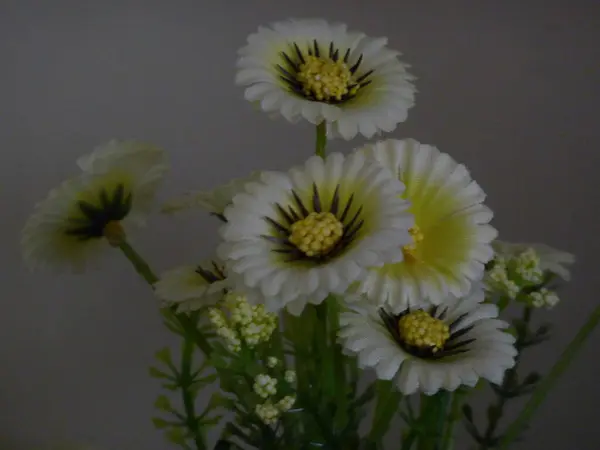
321, 72
214, 201
450, 238
298, 236
440, 347
112, 196
549, 259
192, 287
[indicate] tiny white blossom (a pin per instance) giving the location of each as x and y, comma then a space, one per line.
286, 403
265, 386
543, 297
290, 376
272, 362
527, 266
267, 412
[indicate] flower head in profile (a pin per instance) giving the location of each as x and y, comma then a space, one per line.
298, 236
192, 287
112, 196
213, 201
322, 72
451, 236
424, 350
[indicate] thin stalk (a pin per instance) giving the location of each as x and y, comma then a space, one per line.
321, 139
546, 385
509, 379
455, 414
186, 381
144, 270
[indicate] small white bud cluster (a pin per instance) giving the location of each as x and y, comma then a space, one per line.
267, 412
543, 297
251, 324
272, 362
286, 403
290, 376
265, 385
499, 280
527, 266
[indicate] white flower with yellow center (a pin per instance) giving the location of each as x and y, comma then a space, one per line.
192, 287
548, 259
112, 196
295, 237
214, 201
424, 350
450, 238
321, 72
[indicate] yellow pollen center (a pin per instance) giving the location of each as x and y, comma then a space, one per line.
325, 79
114, 233
316, 234
410, 250
420, 329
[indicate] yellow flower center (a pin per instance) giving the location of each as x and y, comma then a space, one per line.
410, 250
114, 233
317, 234
421, 330
325, 79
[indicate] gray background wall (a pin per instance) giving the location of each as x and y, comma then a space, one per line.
508, 87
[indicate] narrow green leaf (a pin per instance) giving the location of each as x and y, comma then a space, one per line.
156, 373
163, 403
159, 423
468, 412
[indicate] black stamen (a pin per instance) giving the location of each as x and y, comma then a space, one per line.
294, 84
301, 206
219, 216
347, 208
336, 55
458, 345
285, 72
277, 240
293, 213
364, 75
277, 225
88, 210
349, 225
335, 201
331, 49
316, 48
316, 199
365, 83
456, 322
461, 332
284, 213
299, 54
207, 275
346, 56
288, 60
356, 65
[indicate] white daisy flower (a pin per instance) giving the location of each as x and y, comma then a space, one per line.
424, 350
192, 287
321, 72
298, 236
451, 236
550, 259
214, 201
112, 197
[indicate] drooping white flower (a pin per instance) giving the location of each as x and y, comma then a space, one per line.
450, 238
296, 237
112, 197
214, 201
318, 71
550, 259
192, 287
424, 350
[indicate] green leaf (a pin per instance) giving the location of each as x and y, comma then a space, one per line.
159, 423
163, 403
164, 356
212, 421
156, 373
176, 436
468, 412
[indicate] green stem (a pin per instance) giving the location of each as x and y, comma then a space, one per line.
455, 414
432, 419
510, 378
144, 270
546, 385
388, 402
321, 139
187, 396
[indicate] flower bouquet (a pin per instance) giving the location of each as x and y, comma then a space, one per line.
381, 258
